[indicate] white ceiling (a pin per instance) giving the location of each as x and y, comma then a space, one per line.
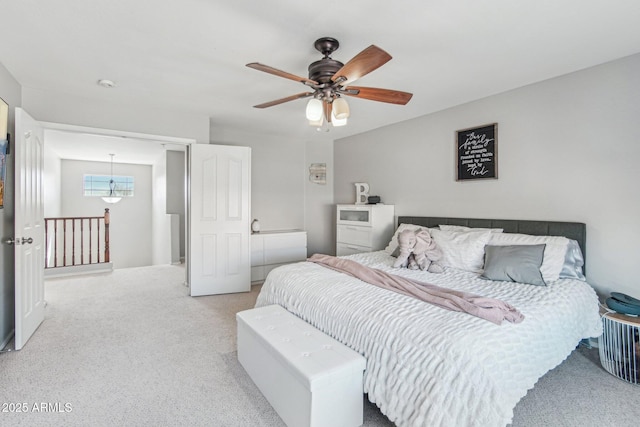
72, 145
190, 55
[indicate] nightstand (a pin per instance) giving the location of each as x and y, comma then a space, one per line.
363, 228
619, 346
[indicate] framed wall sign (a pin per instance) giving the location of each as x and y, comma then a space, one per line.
318, 173
477, 153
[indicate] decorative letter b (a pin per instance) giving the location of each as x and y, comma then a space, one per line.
362, 193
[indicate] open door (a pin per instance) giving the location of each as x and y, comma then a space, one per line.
218, 257
29, 227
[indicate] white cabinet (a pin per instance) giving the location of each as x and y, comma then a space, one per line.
270, 249
363, 228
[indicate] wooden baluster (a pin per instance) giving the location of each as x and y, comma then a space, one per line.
107, 220
55, 243
73, 242
81, 241
90, 235
64, 243
98, 237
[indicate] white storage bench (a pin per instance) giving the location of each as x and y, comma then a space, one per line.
309, 378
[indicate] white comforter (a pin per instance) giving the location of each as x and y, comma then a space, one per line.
427, 366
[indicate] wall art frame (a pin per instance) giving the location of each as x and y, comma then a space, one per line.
477, 153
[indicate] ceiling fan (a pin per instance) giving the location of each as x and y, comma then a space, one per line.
330, 79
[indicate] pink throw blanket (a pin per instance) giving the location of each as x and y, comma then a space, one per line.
489, 309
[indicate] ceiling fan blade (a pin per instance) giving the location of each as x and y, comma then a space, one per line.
283, 100
280, 73
376, 94
362, 64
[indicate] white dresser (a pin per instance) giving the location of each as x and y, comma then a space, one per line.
271, 249
363, 228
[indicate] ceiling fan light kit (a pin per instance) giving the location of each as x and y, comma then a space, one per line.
314, 110
317, 123
329, 79
336, 122
340, 108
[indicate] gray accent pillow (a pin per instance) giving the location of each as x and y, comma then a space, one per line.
515, 263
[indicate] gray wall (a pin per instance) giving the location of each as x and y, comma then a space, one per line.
319, 206
567, 150
176, 185
10, 92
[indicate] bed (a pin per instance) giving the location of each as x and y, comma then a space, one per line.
427, 366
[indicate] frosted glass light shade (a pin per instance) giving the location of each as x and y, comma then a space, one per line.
111, 199
340, 108
336, 121
318, 122
314, 110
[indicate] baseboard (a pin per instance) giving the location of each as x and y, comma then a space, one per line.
103, 267
7, 340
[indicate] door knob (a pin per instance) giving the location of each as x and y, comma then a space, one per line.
22, 241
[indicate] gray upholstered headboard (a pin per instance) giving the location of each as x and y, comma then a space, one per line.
572, 230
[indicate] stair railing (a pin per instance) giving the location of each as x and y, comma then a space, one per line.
72, 241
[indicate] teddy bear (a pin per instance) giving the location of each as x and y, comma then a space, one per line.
418, 251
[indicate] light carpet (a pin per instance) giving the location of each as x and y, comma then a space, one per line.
131, 348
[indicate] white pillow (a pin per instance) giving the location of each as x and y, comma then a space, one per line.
554, 252
463, 250
465, 228
393, 244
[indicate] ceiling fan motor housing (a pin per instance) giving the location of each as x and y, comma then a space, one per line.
321, 71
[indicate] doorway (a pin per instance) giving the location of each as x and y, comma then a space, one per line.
148, 228
219, 176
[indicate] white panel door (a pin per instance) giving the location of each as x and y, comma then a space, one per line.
219, 199
29, 228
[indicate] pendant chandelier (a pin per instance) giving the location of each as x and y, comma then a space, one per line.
112, 187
